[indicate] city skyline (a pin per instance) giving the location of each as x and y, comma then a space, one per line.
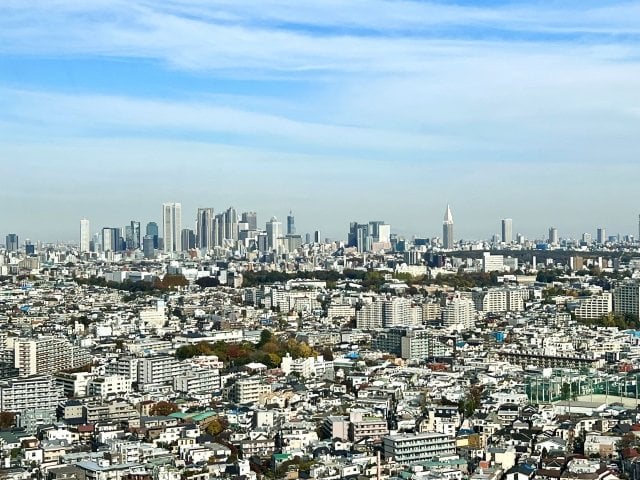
518, 108
88, 228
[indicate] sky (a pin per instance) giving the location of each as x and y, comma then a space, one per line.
337, 110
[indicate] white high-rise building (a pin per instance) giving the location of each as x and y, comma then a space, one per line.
172, 226
47, 355
85, 235
507, 230
458, 313
274, 231
384, 233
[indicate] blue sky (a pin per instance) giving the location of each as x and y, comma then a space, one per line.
338, 110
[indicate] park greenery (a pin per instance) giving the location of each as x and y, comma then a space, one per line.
269, 350
168, 282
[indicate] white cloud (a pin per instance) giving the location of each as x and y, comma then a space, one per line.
258, 37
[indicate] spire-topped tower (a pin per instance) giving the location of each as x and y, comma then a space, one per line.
448, 218
447, 229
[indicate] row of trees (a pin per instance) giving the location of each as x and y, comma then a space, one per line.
168, 282
623, 321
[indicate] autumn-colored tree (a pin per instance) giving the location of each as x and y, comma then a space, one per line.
163, 409
217, 426
7, 419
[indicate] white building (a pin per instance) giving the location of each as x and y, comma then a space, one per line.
248, 390
85, 235
172, 227
109, 385
417, 447
48, 355
458, 314
595, 307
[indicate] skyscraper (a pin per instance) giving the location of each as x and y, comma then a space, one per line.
204, 228
188, 239
553, 236
85, 235
12, 242
507, 230
132, 236
601, 236
291, 224
108, 242
232, 224
274, 231
172, 226
135, 234
250, 218
147, 246
219, 229
153, 232
447, 230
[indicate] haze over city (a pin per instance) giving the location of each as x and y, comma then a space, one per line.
338, 111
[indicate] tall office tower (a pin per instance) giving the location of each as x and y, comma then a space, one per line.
204, 228
147, 246
119, 243
188, 239
307, 238
232, 224
364, 239
128, 237
12, 242
316, 236
601, 236
172, 226
352, 237
274, 231
374, 229
291, 224
108, 244
85, 235
251, 218
133, 243
553, 236
447, 230
507, 230
153, 232
220, 228
384, 233
586, 238
96, 243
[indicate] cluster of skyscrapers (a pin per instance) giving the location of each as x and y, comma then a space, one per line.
226, 229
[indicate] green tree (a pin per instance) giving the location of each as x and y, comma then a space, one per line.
265, 337
7, 419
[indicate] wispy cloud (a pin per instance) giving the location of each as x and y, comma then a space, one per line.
280, 36
439, 93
